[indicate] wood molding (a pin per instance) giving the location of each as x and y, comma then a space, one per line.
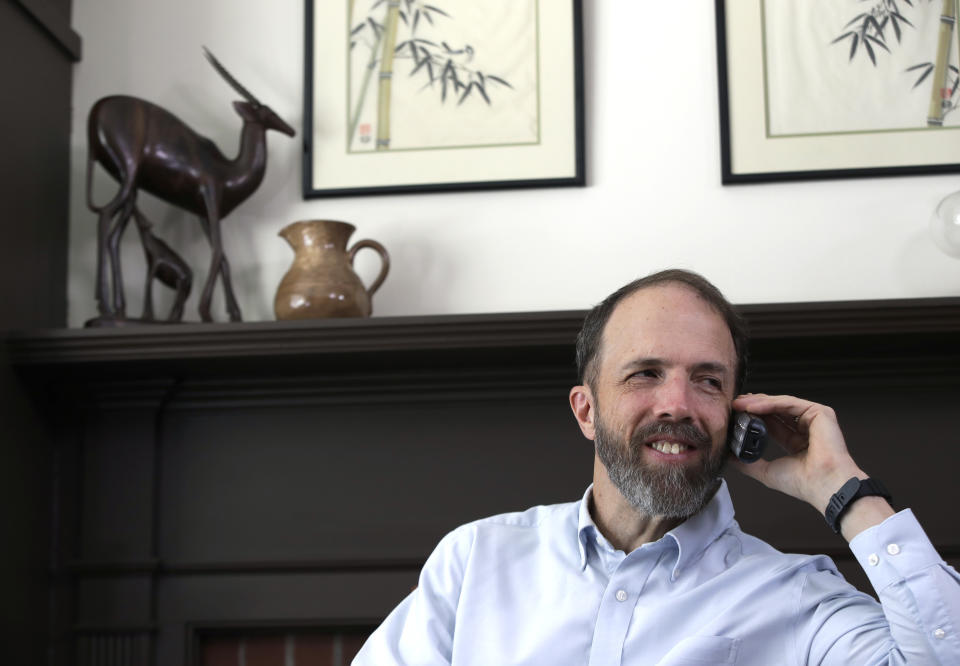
500, 330
463, 355
55, 24
841, 318
313, 338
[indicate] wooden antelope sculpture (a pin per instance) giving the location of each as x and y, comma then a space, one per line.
165, 266
145, 147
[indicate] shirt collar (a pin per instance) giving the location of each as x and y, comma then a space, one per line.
692, 536
702, 528
586, 528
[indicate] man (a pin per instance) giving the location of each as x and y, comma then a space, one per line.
650, 566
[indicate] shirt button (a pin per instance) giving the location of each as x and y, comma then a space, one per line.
893, 549
621, 595
873, 560
939, 633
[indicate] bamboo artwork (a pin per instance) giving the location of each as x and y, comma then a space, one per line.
939, 93
386, 75
367, 74
869, 33
838, 88
434, 95
422, 59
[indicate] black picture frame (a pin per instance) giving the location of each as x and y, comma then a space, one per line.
745, 142
555, 159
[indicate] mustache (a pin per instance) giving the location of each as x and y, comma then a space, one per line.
685, 432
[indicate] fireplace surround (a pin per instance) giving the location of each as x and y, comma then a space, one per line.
225, 482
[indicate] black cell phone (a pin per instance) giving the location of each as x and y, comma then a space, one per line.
748, 436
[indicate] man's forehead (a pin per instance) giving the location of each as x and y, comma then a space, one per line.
668, 315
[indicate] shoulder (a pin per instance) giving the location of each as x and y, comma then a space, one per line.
756, 553
754, 572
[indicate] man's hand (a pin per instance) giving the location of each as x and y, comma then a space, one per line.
817, 463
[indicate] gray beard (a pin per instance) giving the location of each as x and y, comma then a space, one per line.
672, 491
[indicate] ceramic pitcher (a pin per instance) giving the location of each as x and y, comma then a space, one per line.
321, 282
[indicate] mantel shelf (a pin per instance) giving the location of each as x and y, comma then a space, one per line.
793, 333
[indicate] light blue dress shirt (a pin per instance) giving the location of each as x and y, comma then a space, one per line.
545, 588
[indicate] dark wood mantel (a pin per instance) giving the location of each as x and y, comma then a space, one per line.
296, 474
830, 331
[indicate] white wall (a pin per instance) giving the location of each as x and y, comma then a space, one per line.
654, 197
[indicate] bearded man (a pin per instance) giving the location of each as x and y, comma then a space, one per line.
650, 567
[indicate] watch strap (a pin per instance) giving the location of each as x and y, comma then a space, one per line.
849, 492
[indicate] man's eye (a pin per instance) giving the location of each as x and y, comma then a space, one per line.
713, 382
649, 373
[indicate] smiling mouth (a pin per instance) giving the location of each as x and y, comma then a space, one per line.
670, 448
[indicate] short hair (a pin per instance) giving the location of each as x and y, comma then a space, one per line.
590, 338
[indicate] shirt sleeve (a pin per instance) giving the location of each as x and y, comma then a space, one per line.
419, 632
918, 618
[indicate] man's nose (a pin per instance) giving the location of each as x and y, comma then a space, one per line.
673, 399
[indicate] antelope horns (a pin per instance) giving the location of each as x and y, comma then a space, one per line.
221, 70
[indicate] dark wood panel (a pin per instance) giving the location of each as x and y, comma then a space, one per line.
34, 186
341, 483
118, 486
114, 602
35, 122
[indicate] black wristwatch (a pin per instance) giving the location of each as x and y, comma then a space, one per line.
849, 492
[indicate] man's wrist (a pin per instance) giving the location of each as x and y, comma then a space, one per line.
863, 514
851, 491
858, 504
829, 486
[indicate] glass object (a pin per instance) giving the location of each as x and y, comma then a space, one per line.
945, 225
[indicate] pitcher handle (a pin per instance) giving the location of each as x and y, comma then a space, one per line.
385, 258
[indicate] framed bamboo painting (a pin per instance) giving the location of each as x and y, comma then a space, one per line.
432, 95
837, 88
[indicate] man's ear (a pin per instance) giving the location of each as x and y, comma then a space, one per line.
582, 404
